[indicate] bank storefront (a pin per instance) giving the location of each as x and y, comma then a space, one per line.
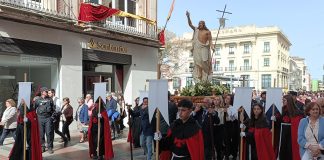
104, 60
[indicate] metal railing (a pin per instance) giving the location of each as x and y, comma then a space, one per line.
245, 68
57, 8
230, 68
63, 9
131, 26
217, 69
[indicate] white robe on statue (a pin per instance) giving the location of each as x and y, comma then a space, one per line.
202, 57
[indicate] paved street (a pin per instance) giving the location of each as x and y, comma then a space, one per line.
79, 151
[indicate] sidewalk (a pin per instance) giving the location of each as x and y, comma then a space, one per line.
79, 151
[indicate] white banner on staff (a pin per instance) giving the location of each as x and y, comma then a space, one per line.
243, 97
158, 98
100, 90
24, 93
274, 96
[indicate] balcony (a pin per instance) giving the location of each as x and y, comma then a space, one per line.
63, 15
230, 68
245, 68
217, 69
52, 8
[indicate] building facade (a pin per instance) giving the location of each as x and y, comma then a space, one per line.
295, 75
45, 40
247, 56
305, 76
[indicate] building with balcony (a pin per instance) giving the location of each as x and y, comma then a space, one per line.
305, 76
247, 56
295, 76
44, 39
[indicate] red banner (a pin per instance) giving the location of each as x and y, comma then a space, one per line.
162, 38
89, 12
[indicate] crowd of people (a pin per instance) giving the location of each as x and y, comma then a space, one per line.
298, 131
47, 114
214, 125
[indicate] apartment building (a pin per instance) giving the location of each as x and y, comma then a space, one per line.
247, 56
44, 39
305, 76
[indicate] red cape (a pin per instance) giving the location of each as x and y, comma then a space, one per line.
263, 144
294, 137
195, 146
36, 149
109, 153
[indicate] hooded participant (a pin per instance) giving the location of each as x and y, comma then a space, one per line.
105, 145
33, 147
184, 139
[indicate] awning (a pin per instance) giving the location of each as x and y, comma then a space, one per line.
19, 46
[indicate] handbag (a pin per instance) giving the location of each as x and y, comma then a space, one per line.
322, 151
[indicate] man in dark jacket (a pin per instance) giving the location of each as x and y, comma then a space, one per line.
208, 118
147, 129
45, 108
57, 115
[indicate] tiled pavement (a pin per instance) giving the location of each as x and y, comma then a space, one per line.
79, 151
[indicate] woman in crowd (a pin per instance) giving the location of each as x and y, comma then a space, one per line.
67, 117
311, 133
257, 128
291, 116
121, 103
219, 132
9, 120
89, 103
82, 118
231, 127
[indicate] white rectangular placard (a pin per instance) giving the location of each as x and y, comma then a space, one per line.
158, 98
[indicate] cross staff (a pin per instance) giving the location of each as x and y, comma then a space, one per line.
222, 20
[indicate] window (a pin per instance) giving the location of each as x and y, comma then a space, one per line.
231, 65
176, 82
246, 48
246, 63
266, 81
231, 49
176, 65
189, 81
217, 51
246, 80
215, 81
266, 62
91, 1
12, 68
216, 66
266, 47
191, 67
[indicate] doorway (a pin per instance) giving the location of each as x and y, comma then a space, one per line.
89, 79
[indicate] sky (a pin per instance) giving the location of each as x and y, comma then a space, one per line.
301, 21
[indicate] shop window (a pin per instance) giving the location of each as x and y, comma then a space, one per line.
41, 70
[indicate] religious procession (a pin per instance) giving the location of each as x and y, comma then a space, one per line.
99, 79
